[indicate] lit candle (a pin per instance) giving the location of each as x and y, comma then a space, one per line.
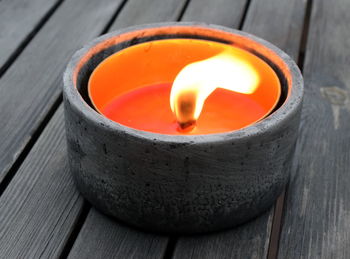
182, 110
184, 86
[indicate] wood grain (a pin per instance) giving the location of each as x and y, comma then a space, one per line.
40, 206
279, 22
18, 20
317, 214
148, 11
251, 240
32, 84
103, 237
223, 12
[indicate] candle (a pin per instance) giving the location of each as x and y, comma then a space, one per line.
194, 180
147, 87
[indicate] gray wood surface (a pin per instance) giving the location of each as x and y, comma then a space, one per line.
223, 12
317, 215
18, 19
278, 21
32, 84
102, 237
249, 240
40, 206
148, 11
252, 239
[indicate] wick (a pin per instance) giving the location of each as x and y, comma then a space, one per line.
186, 126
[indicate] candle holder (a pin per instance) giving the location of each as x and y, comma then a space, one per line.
180, 183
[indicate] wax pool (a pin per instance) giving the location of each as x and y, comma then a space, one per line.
132, 87
148, 109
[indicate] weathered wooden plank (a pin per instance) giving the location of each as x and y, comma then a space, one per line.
251, 240
33, 83
223, 12
40, 206
317, 213
148, 11
103, 237
280, 22
19, 19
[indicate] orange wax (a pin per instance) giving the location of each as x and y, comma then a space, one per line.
132, 87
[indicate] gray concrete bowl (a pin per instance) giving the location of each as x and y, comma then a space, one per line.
180, 184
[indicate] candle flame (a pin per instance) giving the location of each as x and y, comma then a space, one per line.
196, 81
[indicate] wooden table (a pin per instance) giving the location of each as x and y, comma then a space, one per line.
43, 216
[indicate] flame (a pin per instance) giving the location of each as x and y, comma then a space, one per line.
196, 81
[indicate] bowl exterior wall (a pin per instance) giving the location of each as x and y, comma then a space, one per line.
172, 187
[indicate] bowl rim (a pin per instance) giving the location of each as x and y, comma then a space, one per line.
273, 121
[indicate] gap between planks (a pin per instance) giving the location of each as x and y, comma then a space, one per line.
245, 12
22, 45
19, 161
277, 221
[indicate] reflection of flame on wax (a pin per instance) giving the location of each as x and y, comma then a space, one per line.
198, 80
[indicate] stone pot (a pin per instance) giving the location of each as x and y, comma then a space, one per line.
180, 184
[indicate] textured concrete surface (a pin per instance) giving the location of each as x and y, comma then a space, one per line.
183, 184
